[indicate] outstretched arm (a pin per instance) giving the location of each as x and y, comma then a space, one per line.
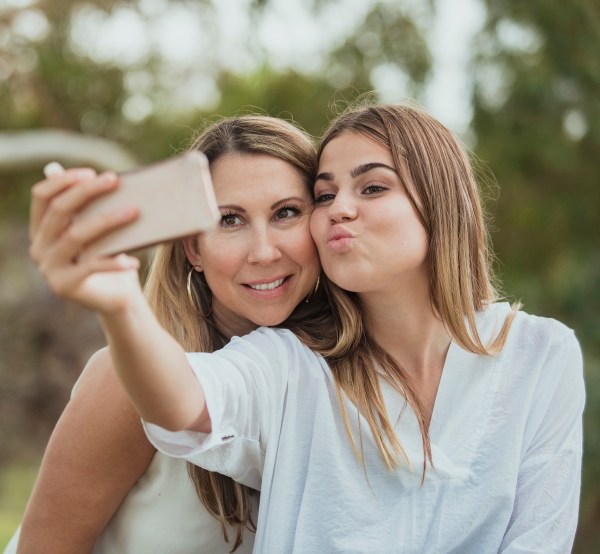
154, 369
96, 453
151, 364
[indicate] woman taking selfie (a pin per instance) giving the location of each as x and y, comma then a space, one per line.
424, 417
102, 487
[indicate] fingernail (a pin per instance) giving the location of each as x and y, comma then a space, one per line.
107, 178
129, 212
53, 168
85, 173
127, 262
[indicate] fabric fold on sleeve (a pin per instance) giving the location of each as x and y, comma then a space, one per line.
242, 385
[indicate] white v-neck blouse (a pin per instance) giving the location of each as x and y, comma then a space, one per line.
506, 439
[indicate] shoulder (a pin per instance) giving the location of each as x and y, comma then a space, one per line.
543, 335
99, 388
540, 349
269, 340
98, 367
99, 361
527, 331
264, 348
278, 351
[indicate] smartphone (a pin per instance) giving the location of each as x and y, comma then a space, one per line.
175, 198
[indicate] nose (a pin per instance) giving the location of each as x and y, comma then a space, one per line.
342, 209
264, 248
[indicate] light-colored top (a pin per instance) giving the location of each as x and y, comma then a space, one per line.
506, 438
162, 514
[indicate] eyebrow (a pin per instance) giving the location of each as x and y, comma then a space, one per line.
287, 200
236, 208
231, 208
357, 171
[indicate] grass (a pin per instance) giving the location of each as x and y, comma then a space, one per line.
16, 482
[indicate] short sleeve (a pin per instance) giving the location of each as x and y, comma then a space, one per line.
544, 517
243, 384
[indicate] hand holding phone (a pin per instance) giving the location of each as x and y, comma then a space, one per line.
175, 198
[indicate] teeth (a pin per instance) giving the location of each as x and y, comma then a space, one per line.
268, 286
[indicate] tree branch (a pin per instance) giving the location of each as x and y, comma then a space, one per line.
20, 149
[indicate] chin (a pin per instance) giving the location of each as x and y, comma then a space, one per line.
271, 320
344, 281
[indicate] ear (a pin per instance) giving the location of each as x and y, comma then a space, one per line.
192, 251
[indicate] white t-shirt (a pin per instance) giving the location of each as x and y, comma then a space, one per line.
506, 438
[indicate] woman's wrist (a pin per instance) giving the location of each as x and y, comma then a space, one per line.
128, 317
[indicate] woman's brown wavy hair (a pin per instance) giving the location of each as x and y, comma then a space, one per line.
165, 287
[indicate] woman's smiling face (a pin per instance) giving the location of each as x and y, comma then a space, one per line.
260, 262
367, 232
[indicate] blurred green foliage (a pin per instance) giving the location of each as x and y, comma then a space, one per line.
541, 136
535, 70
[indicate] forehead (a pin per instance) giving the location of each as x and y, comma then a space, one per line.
350, 149
244, 178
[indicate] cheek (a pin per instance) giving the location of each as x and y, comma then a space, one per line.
299, 243
308, 240
302, 249
220, 257
411, 236
316, 224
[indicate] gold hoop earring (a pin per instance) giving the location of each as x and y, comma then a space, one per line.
314, 291
189, 289
191, 295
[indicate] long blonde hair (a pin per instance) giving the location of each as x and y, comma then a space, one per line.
438, 176
192, 325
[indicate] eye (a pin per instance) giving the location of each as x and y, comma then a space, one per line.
373, 189
229, 220
324, 197
287, 212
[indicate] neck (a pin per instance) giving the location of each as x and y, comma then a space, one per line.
405, 325
231, 326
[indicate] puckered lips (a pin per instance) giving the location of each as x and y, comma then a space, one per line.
339, 239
